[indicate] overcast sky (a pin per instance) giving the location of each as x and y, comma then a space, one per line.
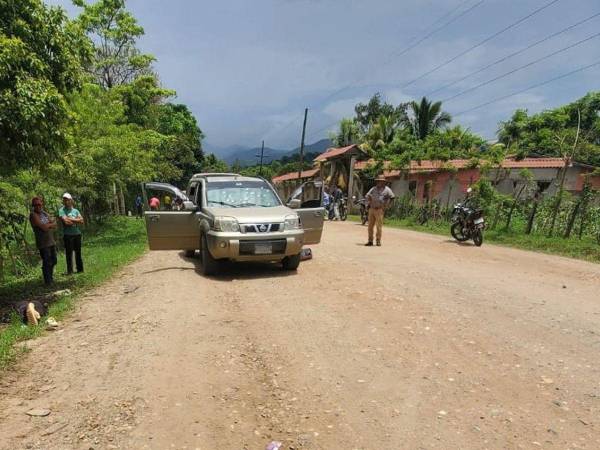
246, 68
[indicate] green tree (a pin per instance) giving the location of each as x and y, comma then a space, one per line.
452, 143
41, 56
114, 31
212, 164
427, 117
368, 114
348, 134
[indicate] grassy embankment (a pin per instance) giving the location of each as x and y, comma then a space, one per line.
587, 248
106, 249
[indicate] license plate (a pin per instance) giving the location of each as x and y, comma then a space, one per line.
478, 221
263, 249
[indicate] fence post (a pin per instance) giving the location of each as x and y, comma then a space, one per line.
532, 215
572, 220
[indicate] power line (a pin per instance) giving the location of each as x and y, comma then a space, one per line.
518, 52
428, 35
510, 72
479, 44
403, 51
543, 83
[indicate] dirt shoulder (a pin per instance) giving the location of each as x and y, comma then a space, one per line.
421, 343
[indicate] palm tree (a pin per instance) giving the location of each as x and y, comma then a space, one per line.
380, 135
427, 117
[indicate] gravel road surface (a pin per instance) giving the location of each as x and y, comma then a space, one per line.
419, 344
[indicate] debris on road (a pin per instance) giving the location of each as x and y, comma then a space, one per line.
306, 254
274, 445
38, 412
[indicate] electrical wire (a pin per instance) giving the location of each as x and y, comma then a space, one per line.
543, 83
480, 43
510, 72
518, 52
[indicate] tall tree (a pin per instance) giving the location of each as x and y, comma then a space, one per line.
348, 134
114, 32
41, 56
427, 117
367, 114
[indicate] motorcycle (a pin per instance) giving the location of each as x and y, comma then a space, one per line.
467, 223
343, 208
364, 210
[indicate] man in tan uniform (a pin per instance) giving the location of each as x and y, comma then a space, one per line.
378, 199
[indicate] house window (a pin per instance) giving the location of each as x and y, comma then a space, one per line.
412, 188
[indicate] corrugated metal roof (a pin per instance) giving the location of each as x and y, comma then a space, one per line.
294, 175
332, 152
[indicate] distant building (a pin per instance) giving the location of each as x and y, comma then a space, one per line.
444, 181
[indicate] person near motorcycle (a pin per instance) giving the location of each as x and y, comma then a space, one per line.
337, 198
327, 201
378, 200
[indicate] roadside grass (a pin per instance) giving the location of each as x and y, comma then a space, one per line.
586, 249
105, 249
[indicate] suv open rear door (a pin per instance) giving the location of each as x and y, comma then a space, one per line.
307, 200
173, 225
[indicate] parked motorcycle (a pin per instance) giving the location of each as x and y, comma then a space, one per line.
343, 208
467, 223
364, 210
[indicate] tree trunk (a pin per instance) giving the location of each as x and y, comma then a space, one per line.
532, 216
122, 208
572, 220
585, 199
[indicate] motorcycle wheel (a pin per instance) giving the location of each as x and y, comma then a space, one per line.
364, 218
343, 214
478, 237
456, 232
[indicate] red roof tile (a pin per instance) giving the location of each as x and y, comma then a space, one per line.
435, 165
332, 152
294, 175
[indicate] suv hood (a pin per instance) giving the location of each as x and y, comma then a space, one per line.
253, 215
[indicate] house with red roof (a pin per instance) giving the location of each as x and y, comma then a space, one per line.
444, 181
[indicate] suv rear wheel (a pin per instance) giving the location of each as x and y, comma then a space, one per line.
190, 253
209, 264
291, 262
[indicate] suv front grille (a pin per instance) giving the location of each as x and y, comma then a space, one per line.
260, 227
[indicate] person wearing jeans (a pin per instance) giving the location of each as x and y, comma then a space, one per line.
71, 219
43, 228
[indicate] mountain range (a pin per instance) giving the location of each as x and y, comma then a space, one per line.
249, 156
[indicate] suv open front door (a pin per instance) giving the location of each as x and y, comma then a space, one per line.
168, 227
307, 200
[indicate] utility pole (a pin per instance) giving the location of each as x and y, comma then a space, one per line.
302, 146
262, 152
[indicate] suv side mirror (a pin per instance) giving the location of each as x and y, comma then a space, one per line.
189, 206
295, 203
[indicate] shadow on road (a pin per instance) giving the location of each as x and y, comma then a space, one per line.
229, 270
162, 269
462, 244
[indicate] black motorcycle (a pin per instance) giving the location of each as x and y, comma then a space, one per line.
467, 223
364, 209
343, 208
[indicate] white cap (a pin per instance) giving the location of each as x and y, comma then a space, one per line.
67, 195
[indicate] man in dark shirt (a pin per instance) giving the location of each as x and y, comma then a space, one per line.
43, 227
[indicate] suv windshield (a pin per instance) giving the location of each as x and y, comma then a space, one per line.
240, 194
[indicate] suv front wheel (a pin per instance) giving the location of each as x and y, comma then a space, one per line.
209, 264
291, 262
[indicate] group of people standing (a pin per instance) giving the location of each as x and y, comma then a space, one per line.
332, 201
44, 225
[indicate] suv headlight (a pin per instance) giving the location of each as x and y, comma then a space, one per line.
226, 224
292, 222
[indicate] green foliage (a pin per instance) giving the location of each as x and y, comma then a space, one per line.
41, 59
427, 117
369, 113
212, 164
115, 31
541, 134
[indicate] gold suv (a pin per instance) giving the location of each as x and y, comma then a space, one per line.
233, 217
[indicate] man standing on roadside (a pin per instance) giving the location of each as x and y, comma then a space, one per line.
71, 219
139, 209
378, 200
43, 228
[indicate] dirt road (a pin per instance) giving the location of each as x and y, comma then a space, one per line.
419, 344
